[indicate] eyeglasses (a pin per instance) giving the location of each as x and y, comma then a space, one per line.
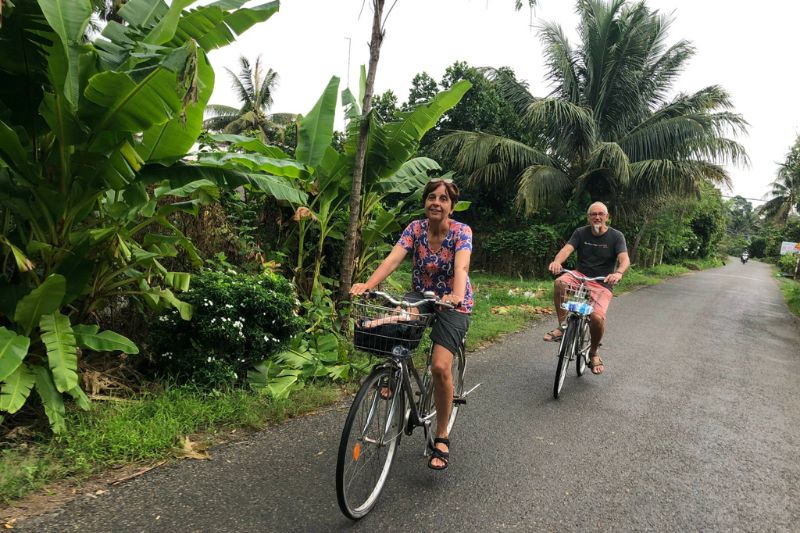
440, 180
597, 214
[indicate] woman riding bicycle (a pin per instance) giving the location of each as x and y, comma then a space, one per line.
441, 253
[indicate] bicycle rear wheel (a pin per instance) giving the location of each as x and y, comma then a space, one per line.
565, 352
582, 348
370, 437
458, 367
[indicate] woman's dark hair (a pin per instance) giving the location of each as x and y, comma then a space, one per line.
433, 184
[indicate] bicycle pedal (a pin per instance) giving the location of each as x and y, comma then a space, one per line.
460, 401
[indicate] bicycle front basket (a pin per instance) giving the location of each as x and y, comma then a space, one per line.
380, 330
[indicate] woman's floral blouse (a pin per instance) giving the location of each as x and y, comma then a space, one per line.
434, 270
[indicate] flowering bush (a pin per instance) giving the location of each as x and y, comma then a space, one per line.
238, 320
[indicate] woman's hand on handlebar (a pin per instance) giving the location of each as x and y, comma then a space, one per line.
452, 299
359, 288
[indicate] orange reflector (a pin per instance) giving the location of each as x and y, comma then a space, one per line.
356, 451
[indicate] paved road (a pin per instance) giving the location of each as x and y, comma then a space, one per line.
695, 425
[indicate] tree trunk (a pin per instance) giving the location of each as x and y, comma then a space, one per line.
634, 250
655, 252
353, 231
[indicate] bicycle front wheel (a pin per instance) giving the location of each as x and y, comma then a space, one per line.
566, 352
457, 369
370, 437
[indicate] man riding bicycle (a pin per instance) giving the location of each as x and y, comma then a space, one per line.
601, 252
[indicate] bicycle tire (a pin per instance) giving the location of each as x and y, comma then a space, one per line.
369, 440
565, 352
458, 368
582, 348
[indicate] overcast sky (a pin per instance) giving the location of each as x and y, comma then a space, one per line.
749, 48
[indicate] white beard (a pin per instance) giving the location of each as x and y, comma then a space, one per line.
597, 227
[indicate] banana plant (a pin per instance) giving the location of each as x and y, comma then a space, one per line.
93, 136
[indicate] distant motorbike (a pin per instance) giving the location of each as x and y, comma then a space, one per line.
744, 259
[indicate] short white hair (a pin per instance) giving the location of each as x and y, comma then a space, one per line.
601, 204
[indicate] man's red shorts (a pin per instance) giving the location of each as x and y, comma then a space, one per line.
600, 295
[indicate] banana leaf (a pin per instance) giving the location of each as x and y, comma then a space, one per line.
88, 336
13, 349
44, 299
316, 129
51, 399
16, 389
62, 350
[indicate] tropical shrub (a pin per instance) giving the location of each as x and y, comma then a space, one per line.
239, 320
787, 263
524, 252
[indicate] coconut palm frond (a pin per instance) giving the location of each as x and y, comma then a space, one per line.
539, 186
514, 91
611, 157
473, 150
785, 192
492, 174
560, 61
663, 176
283, 119
248, 76
268, 86
241, 90
221, 110
570, 127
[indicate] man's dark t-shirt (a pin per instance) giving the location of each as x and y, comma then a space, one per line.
597, 256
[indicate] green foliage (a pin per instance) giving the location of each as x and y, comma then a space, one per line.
791, 293
607, 129
88, 131
785, 191
787, 263
239, 320
523, 252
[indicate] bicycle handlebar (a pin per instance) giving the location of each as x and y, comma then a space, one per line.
428, 297
579, 277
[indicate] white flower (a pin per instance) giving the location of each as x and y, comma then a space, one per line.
527, 294
510, 292
266, 338
209, 359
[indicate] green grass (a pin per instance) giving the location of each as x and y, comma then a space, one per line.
149, 428
145, 430
791, 293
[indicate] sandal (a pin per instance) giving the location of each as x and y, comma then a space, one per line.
597, 368
553, 336
436, 453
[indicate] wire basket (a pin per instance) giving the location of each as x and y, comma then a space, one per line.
578, 298
382, 330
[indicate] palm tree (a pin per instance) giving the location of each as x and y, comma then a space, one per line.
608, 130
785, 195
254, 87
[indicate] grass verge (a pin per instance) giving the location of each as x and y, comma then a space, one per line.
791, 293
148, 429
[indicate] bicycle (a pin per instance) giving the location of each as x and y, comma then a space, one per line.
576, 339
379, 415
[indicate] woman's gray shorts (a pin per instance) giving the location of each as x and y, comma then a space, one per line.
450, 330
449, 326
